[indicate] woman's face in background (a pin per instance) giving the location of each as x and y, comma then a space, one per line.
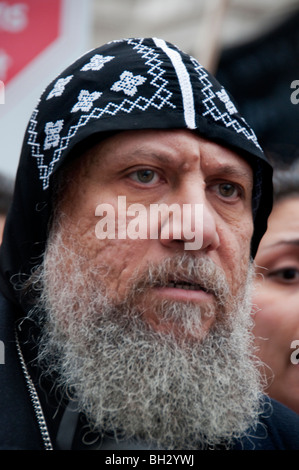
277, 298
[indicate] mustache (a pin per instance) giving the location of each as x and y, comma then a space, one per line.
198, 273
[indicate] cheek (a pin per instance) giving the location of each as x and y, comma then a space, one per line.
273, 332
278, 313
267, 320
119, 259
234, 252
273, 321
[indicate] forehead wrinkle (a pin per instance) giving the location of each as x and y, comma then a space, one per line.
171, 156
160, 156
151, 156
99, 156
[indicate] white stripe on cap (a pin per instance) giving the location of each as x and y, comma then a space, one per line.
184, 81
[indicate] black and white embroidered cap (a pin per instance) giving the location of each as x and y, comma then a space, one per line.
123, 85
131, 84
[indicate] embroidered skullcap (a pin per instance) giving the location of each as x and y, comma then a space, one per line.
126, 84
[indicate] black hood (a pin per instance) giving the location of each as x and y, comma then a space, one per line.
126, 84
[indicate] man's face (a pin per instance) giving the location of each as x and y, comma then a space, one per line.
153, 339
163, 167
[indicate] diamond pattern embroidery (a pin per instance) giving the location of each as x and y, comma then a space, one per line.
212, 109
161, 98
128, 83
52, 134
97, 62
85, 101
59, 87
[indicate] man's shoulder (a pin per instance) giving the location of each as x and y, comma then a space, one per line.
278, 429
18, 427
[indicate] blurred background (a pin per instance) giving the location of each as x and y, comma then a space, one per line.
251, 46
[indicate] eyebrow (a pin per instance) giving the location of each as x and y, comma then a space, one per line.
233, 170
142, 152
292, 242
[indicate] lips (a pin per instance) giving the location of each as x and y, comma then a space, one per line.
183, 291
185, 285
182, 282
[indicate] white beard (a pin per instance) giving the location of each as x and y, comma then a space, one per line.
129, 380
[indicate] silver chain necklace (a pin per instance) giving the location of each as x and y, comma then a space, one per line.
35, 400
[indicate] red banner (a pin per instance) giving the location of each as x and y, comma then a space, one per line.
27, 28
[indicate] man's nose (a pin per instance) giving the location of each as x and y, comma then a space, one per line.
191, 223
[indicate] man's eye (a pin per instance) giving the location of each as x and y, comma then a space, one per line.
228, 190
144, 176
286, 275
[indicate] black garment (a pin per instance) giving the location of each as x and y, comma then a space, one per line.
18, 424
278, 430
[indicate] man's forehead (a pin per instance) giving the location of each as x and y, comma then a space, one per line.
168, 147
